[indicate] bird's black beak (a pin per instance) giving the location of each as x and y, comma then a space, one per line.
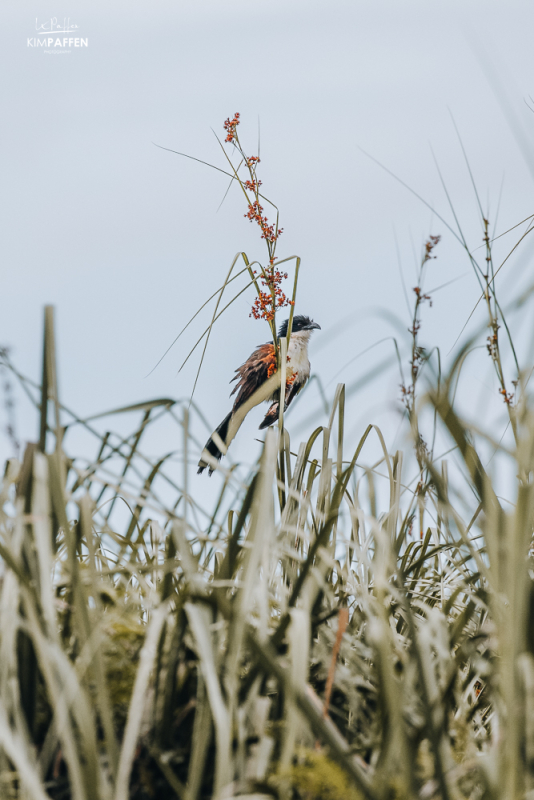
312, 326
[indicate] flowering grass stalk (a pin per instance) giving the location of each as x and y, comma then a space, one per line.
271, 297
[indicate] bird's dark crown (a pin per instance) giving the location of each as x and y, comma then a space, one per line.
300, 323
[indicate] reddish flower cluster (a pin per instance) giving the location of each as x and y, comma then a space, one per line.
429, 246
254, 214
252, 160
493, 342
252, 185
266, 303
230, 127
414, 330
506, 396
254, 211
420, 296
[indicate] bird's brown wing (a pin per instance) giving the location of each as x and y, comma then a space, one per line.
255, 371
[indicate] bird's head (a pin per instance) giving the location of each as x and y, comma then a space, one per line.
300, 323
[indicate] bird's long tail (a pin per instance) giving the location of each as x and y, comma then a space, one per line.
211, 448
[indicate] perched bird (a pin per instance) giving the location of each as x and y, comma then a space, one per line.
255, 385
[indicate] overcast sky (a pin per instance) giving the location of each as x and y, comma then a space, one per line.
127, 240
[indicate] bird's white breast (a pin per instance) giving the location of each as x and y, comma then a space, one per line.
297, 352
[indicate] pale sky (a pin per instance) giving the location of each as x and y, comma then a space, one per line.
127, 240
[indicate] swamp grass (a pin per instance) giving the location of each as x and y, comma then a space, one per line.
306, 643
331, 629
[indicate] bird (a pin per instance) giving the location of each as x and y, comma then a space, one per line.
254, 384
